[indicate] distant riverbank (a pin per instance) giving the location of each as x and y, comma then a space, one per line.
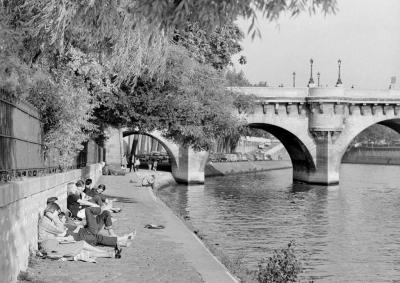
230, 168
373, 155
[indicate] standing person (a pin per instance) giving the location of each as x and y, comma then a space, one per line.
136, 164
130, 163
155, 164
124, 163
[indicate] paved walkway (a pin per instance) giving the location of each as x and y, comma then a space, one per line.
173, 254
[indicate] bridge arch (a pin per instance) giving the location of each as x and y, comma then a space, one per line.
187, 166
349, 134
300, 154
168, 146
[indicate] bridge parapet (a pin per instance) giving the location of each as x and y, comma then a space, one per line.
336, 94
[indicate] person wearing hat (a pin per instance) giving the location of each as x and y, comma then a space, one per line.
52, 199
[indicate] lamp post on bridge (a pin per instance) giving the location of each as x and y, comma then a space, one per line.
311, 81
294, 79
318, 76
339, 80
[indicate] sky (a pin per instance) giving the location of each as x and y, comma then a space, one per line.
364, 34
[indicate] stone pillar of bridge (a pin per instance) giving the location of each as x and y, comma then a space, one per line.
113, 146
190, 166
326, 123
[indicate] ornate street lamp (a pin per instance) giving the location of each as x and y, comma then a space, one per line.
311, 81
339, 80
294, 79
318, 76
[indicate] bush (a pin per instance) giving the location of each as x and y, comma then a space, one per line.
282, 267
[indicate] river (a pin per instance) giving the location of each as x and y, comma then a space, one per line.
344, 233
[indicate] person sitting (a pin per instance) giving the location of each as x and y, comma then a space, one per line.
51, 199
77, 200
98, 218
97, 193
52, 233
88, 185
148, 181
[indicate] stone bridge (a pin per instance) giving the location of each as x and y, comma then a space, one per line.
187, 166
317, 125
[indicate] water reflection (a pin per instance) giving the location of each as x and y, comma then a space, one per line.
344, 233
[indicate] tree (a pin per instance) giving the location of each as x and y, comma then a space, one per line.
235, 78
190, 106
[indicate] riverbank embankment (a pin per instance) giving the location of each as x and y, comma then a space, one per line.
231, 168
172, 254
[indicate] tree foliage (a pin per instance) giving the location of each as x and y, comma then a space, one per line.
377, 133
83, 59
235, 78
65, 114
191, 106
214, 48
210, 13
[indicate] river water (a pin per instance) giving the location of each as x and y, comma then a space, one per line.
344, 233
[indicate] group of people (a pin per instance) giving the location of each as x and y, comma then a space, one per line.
87, 223
130, 162
133, 163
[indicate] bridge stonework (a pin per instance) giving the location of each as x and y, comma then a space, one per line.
187, 165
316, 125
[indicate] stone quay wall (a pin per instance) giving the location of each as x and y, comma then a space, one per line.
232, 168
21, 204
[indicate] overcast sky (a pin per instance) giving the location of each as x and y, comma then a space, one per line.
364, 34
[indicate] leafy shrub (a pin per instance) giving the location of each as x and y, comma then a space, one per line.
282, 267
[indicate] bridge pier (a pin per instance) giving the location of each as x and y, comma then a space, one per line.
190, 166
327, 165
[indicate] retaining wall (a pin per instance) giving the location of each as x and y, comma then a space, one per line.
230, 168
21, 203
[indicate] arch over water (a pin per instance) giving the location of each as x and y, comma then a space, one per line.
349, 135
302, 159
168, 146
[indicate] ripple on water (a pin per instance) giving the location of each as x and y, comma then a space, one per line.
344, 233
